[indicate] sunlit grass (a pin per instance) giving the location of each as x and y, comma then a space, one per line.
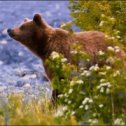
17, 111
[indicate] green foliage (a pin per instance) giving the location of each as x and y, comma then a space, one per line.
95, 94
87, 13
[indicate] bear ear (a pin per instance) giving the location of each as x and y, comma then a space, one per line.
37, 19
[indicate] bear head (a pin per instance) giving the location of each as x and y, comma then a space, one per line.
32, 33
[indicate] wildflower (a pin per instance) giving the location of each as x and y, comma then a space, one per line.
108, 67
69, 102
110, 48
87, 100
90, 100
86, 73
70, 91
72, 83
116, 73
101, 23
55, 55
86, 107
117, 49
102, 80
101, 53
118, 37
79, 81
60, 96
102, 73
106, 84
94, 121
94, 68
74, 52
65, 108
110, 60
73, 113
119, 121
102, 89
112, 19
66, 95
63, 60
101, 105
81, 106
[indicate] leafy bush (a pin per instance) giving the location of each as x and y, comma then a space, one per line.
87, 13
95, 94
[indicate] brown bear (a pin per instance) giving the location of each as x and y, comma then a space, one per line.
42, 39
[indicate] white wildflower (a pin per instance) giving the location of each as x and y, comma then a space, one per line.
102, 73
117, 73
58, 113
106, 84
73, 113
74, 52
90, 101
65, 108
85, 101
94, 68
82, 68
63, 60
72, 83
55, 55
110, 48
110, 60
60, 96
94, 121
118, 37
101, 105
117, 49
79, 82
66, 95
102, 80
112, 19
101, 53
119, 121
102, 89
69, 102
86, 73
101, 23
108, 67
86, 107
70, 91
81, 106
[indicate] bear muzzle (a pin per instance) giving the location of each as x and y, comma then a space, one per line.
10, 32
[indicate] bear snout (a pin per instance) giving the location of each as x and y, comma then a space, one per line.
10, 32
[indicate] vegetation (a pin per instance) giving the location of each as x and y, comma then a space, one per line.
94, 95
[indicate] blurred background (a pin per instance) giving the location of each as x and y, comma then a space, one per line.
20, 70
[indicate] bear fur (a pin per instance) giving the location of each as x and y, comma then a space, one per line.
42, 39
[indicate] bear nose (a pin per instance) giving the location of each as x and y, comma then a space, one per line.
10, 32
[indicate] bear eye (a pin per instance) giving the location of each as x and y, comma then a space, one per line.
22, 27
